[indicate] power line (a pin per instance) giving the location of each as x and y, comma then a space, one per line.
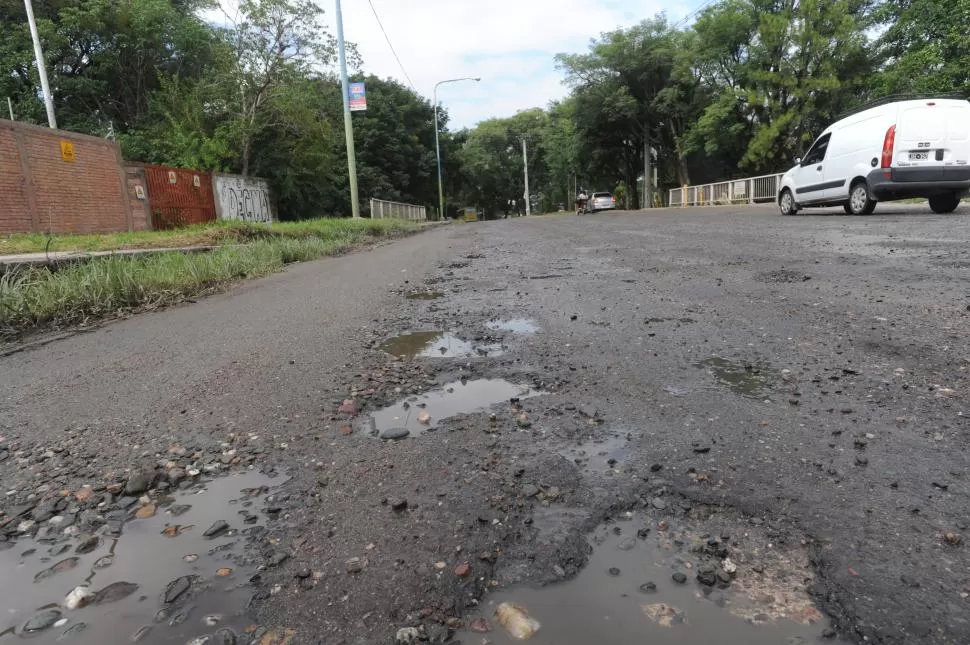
693, 13
381, 25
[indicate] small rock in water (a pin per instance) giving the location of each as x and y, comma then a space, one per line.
105, 562
223, 572
663, 614
627, 544
648, 587
114, 592
480, 625
88, 544
679, 577
217, 529
141, 633
706, 575
224, 636
424, 417
72, 631
176, 588
178, 509
516, 620
145, 512
78, 598
395, 434
42, 621
192, 557
613, 571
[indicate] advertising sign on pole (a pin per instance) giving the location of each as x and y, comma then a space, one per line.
358, 97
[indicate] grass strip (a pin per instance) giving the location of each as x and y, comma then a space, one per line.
210, 234
112, 286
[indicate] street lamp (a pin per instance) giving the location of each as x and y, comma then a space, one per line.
437, 145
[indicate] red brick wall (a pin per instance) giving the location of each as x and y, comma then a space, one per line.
41, 191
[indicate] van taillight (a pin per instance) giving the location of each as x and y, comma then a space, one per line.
887, 147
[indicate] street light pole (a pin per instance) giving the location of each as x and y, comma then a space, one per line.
41, 68
437, 145
348, 123
525, 165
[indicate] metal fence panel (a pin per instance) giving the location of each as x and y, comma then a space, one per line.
737, 191
179, 197
382, 209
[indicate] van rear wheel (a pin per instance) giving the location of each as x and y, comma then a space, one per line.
943, 204
860, 203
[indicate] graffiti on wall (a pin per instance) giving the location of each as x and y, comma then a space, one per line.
243, 198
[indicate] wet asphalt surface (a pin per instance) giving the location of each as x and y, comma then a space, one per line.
783, 395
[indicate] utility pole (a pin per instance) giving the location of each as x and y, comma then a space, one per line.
41, 68
348, 124
647, 187
525, 165
437, 146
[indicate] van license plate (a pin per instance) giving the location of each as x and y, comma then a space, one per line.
919, 156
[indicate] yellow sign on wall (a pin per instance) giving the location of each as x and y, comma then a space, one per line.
67, 151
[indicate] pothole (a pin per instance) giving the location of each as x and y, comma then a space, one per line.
419, 414
627, 594
514, 325
170, 571
436, 344
601, 454
753, 380
425, 295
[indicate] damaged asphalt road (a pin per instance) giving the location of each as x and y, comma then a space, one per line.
777, 402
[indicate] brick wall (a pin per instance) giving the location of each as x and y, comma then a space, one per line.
44, 187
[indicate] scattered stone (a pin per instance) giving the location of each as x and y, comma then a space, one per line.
658, 503
627, 544
88, 544
462, 570
176, 588
861, 461
84, 494
679, 577
217, 529
729, 566
723, 578
145, 512
277, 558
349, 406
139, 482
407, 636
398, 504
355, 565
394, 434
648, 587
424, 417
192, 557
656, 468
346, 430
589, 411
480, 625
706, 575
530, 490
701, 447
953, 539
613, 571
523, 421
224, 636
552, 493
42, 621
223, 572
828, 632
62, 566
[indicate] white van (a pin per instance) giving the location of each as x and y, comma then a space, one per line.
896, 150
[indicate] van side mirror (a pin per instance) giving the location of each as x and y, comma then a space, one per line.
798, 160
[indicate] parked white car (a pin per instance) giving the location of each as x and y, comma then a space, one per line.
896, 150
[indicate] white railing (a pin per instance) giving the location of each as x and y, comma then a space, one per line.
380, 209
737, 191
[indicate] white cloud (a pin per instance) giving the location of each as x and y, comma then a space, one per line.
510, 44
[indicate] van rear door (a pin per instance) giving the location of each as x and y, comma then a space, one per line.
931, 135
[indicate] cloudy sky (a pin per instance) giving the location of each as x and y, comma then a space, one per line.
510, 44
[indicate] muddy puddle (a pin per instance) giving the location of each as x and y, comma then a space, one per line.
160, 581
753, 380
514, 325
423, 413
627, 594
436, 344
600, 455
425, 295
